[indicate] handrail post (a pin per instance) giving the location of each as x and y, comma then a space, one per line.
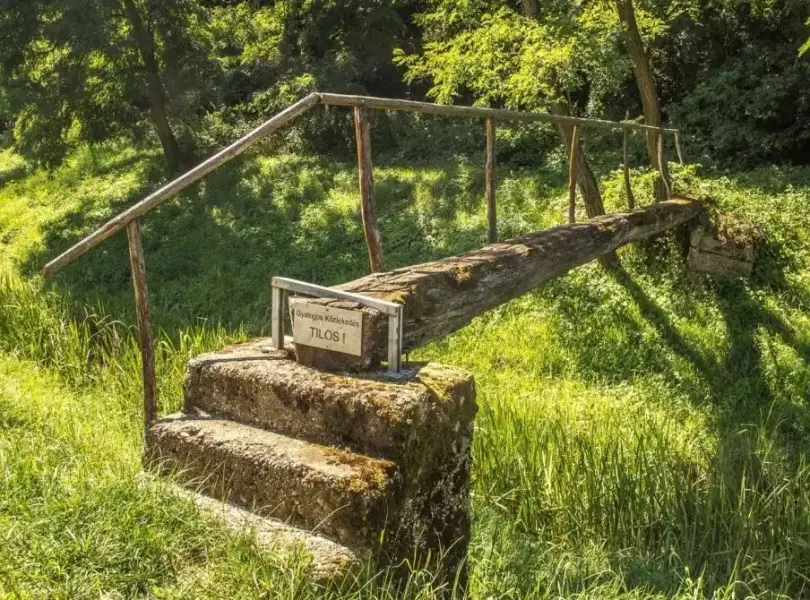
362, 132
662, 165
631, 200
489, 183
572, 176
678, 146
145, 336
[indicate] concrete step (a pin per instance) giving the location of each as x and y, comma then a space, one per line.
343, 495
329, 561
409, 418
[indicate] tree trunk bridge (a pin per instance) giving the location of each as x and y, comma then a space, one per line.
564, 248
443, 296
378, 464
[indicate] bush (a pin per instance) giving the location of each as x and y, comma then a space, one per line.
753, 109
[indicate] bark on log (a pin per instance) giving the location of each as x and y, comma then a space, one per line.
443, 296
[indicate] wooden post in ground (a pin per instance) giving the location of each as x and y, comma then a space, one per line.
489, 183
678, 146
631, 200
362, 132
662, 165
572, 176
145, 336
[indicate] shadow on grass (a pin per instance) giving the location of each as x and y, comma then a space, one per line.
739, 388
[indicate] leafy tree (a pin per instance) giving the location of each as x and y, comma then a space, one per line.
731, 75
549, 57
274, 52
87, 70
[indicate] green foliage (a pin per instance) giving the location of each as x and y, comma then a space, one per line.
766, 118
271, 55
72, 73
501, 57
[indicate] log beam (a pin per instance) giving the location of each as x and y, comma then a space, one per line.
443, 296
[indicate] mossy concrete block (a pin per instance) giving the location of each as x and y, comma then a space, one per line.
721, 253
373, 413
421, 420
328, 560
341, 494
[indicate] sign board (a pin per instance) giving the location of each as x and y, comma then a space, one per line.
326, 327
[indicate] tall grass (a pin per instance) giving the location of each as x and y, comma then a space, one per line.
640, 435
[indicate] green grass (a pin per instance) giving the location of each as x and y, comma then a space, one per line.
641, 433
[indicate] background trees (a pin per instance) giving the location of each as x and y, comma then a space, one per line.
188, 75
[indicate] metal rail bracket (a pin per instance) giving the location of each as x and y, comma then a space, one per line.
282, 286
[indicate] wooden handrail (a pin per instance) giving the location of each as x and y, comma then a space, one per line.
452, 110
293, 111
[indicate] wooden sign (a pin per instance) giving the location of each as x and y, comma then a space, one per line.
326, 327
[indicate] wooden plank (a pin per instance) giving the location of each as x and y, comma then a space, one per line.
362, 133
170, 189
145, 336
442, 296
489, 183
631, 199
662, 165
572, 176
451, 110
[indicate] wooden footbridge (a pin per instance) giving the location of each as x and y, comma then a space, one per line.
312, 433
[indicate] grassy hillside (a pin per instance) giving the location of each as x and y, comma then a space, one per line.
641, 433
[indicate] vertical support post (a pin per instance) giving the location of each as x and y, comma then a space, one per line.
277, 317
489, 183
662, 164
572, 176
678, 146
395, 341
631, 200
362, 132
145, 336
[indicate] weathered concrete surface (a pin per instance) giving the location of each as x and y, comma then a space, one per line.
445, 295
329, 561
374, 413
729, 257
342, 494
421, 420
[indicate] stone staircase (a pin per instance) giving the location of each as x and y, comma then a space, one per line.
351, 466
